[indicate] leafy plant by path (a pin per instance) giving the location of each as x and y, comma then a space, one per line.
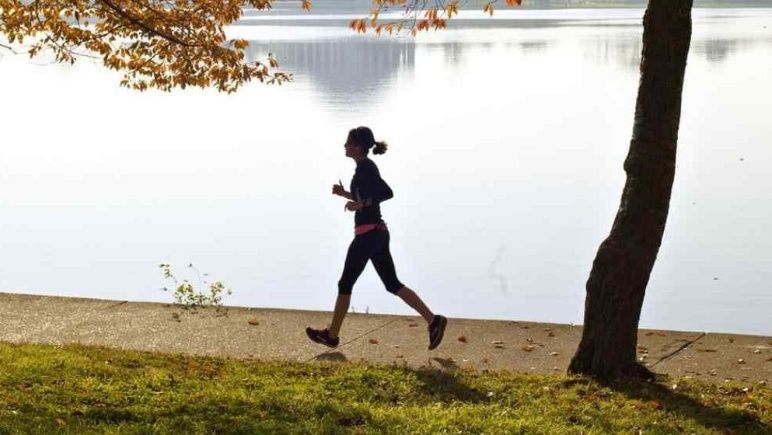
189, 297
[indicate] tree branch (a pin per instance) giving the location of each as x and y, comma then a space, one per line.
137, 22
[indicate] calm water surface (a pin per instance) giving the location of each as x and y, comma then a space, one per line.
507, 142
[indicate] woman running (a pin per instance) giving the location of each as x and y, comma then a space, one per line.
371, 241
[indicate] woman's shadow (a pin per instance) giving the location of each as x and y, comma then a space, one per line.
333, 356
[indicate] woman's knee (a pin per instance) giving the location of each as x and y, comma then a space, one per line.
395, 288
345, 287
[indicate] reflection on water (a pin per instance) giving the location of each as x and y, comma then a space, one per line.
342, 68
625, 53
342, 65
718, 50
535, 46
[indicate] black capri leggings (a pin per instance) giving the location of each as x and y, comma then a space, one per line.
372, 245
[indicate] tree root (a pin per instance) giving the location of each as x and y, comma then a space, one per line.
632, 371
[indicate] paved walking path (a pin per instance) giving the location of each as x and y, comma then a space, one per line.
274, 334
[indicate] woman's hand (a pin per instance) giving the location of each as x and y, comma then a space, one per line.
354, 205
337, 189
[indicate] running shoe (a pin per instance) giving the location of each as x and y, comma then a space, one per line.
322, 336
437, 331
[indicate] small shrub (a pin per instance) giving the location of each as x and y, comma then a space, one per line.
189, 297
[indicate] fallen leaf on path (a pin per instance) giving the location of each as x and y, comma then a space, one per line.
756, 350
530, 340
373, 341
399, 356
497, 342
553, 354
412, 325
253, 322
462, 339
527, 348
499, 346
550, 334
740, 361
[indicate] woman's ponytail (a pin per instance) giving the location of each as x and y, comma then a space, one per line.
363, 137
380, 147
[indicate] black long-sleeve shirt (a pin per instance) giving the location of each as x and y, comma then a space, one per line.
368, 187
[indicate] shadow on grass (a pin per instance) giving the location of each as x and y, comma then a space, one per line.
331, 356
713, 417
447, 386
446, 364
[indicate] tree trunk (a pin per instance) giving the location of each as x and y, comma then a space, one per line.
620, 272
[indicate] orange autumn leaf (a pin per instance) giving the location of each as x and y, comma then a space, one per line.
452, 9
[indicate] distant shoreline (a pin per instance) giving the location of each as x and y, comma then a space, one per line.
323, 7
511, 17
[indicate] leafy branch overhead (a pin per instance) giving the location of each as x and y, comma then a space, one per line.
167, 44
154, 43
416, 15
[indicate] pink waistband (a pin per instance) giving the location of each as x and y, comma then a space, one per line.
361, 229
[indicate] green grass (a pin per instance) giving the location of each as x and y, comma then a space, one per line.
76, 389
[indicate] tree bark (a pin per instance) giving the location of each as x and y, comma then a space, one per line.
623, 264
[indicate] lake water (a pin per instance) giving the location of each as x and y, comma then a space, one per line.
507, 141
